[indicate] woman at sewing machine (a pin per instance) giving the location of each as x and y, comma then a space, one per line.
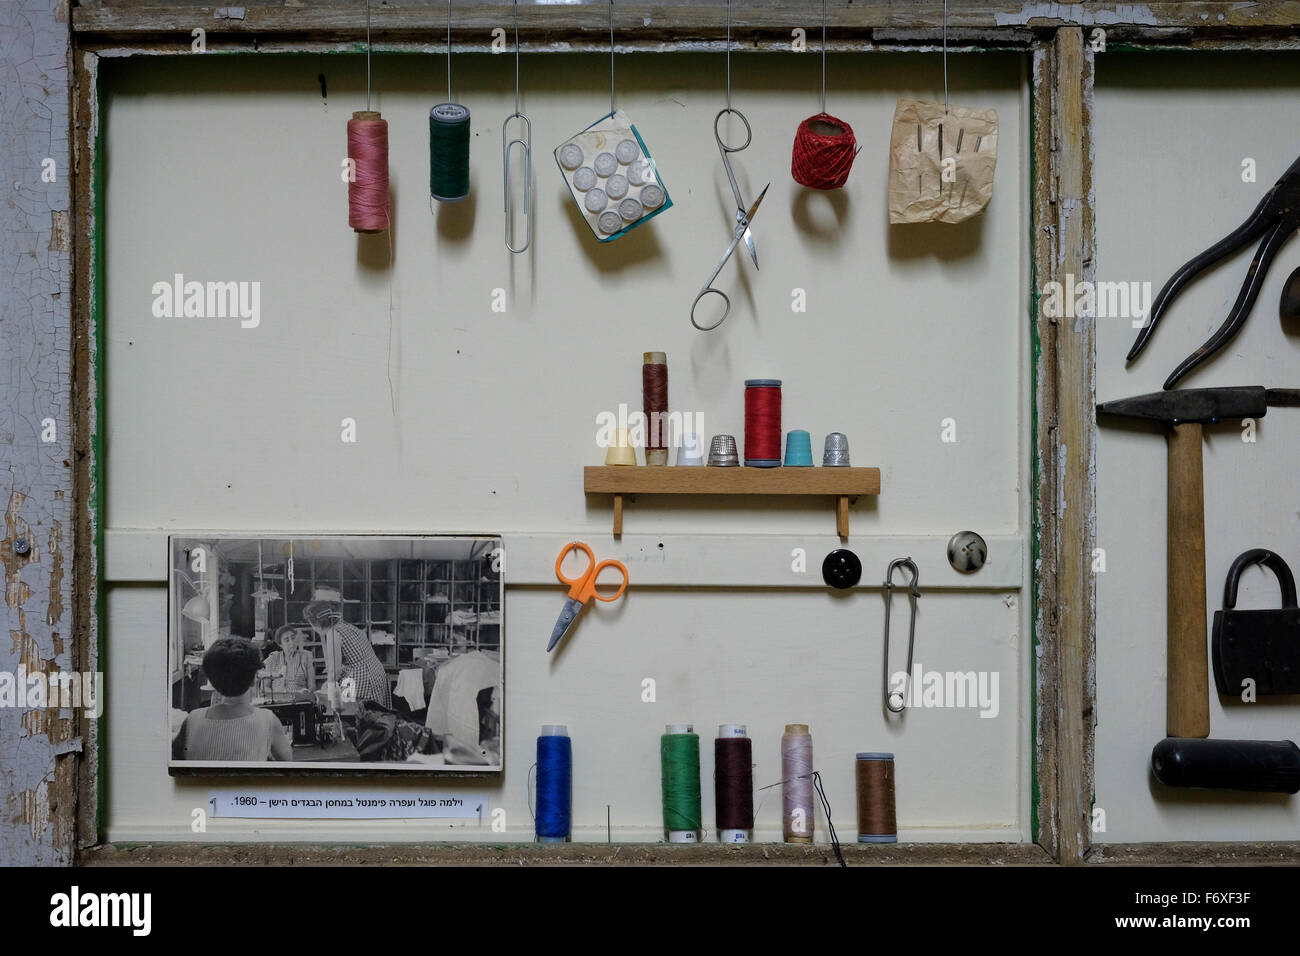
348, 653
292, 668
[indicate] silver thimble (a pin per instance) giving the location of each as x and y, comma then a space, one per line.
722, 452
836, 454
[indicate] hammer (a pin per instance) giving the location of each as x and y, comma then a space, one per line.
1182, 759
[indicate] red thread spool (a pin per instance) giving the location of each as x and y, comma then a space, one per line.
824, 149
368, 184
763, 422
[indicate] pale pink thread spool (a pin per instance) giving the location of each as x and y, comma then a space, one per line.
797, 784
368, 184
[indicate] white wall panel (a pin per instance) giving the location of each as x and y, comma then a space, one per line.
228, 169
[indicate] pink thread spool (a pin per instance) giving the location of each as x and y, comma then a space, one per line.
368, 183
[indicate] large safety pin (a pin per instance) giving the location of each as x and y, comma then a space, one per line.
896, 700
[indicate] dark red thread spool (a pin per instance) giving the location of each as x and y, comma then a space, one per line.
824, 149
733, 782
654, 403
763, 422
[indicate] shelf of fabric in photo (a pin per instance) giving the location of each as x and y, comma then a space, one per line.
845, 485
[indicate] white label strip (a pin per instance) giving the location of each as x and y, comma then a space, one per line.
344, 804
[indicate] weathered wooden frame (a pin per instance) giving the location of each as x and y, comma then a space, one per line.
60, 821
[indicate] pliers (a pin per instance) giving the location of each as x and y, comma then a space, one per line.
1275, 218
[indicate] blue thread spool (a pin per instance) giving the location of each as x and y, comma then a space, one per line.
798, 449
554, 784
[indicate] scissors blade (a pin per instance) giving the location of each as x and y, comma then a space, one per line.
749, 241
565, 621
754, 208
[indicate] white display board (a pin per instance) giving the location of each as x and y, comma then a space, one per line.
1160, 201
469, 419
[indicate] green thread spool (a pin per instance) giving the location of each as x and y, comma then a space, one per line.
679, 760
448, 152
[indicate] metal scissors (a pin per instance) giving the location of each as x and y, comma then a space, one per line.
743, 217
582, 588
1275, 218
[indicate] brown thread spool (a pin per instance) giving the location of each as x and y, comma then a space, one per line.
877, 822
654, 403
733, 779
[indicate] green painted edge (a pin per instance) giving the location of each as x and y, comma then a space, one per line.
97, 356
1036, 350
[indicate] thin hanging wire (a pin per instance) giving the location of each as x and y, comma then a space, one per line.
611, 57
728, 54
823, 56
516, 57
367, 55
448, 51
945, 56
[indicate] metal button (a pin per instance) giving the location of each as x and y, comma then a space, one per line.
842, 569
967, 552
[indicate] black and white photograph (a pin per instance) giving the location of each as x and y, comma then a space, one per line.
346, 652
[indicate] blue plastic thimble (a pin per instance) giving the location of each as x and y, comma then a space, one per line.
798, 449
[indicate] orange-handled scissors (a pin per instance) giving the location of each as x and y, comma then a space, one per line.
582, 588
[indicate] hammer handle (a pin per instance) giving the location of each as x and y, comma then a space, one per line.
1187, 694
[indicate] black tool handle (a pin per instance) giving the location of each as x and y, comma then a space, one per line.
1263, 766
1271, 560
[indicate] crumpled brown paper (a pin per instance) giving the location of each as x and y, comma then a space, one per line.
922, 187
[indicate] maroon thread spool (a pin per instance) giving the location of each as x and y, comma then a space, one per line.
733, 783
763, 422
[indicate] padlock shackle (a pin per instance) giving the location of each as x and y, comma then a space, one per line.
1268, 559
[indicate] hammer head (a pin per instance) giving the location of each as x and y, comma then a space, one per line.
1192, 404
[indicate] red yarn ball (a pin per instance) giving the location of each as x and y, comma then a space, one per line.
824, 149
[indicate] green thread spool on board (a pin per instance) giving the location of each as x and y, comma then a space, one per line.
679, 760
448, 152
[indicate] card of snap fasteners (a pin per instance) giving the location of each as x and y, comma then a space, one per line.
612, 177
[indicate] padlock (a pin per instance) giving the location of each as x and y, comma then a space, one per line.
1261, 646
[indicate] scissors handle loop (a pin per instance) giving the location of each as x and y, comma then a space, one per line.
726, 305
717, 131
595, 574
564, 553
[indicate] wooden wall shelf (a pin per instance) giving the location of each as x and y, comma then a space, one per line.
843, 484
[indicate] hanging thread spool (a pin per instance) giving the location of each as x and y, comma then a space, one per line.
368, 164
877, 822
654, 403
448, 152
762, 423
733, 775
797, 784
554, 784
824, 149
679, 769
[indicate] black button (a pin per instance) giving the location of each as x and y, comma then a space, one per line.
842, 569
